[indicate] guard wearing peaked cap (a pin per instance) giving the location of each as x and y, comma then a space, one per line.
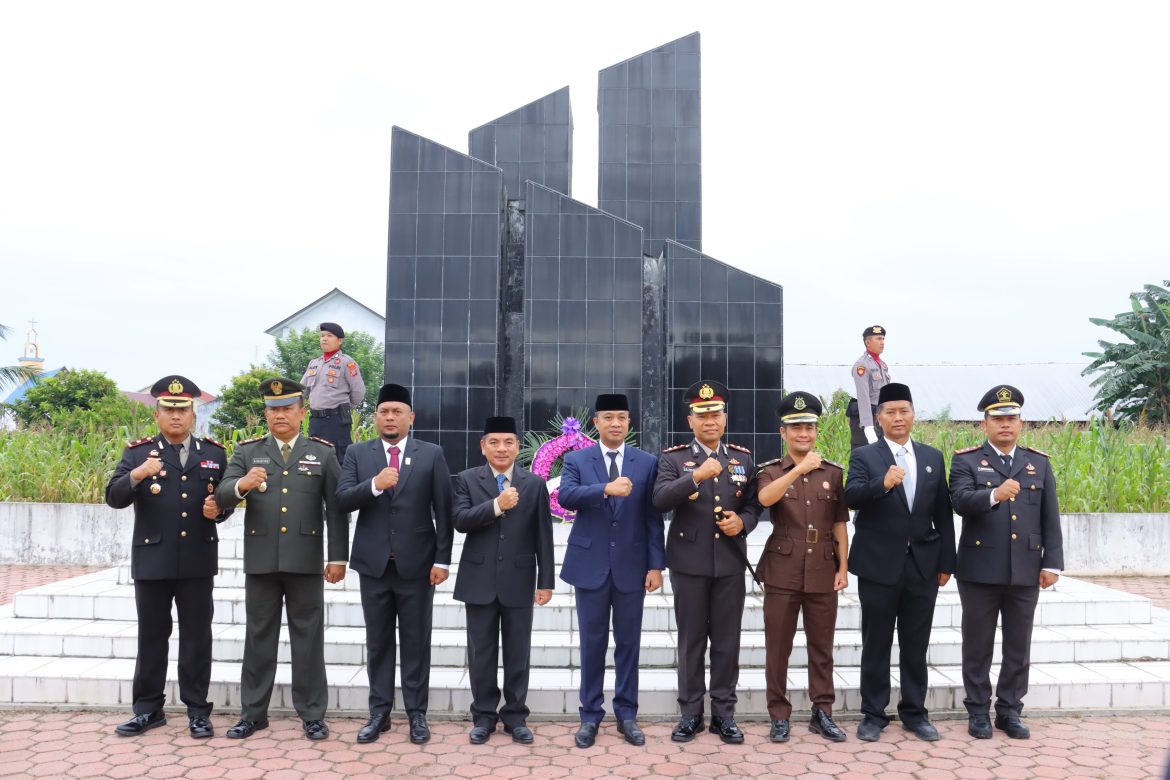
170, 478
804, 564
1011, 547
870, 375
333, 383
710, 486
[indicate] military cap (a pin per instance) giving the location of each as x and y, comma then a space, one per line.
333, 328
799, 407
500, 425
873, 330
706, 395
281, 391
175, 392
894, 392
612, 402
1001, 401
395, 393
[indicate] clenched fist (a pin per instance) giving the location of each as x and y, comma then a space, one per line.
622, 486
386, 479
894, 477
509, 498
147, 469
256, 476
710, 468
210, 508
811, 462
1008, 490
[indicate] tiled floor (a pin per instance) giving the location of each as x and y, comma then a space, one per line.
16, 577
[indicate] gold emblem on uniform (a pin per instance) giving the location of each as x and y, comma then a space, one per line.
277, 387
877, 329
825, 484
799, 403
706, 393
155, 488
1004, 395
1030, 468
310, 456
175, 387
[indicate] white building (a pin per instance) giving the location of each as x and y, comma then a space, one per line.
333, 306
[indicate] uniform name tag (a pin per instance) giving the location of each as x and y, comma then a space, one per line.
985, 468
261, 461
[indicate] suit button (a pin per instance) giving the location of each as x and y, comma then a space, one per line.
1014, 517
680, 533
717, 498
988, 484
284, 529
183, 496
1033, 487
1013, 498
146, 541
716, 534
806, 479
716, 479
184, 514
284, 509
718, 509
808, 502
501, 536
809, 549
284, 490
183, 478
182, 533
1013, 536
286, 473
977, 542
614, 525
499, 558
253, 532
613, 544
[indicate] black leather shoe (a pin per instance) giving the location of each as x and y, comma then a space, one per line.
1012, 726
822, 724
374, 728
420, 732
316, 730
923, 729
520, 733
246, 728
201, 727
688, 726
726, 729
586, 735
634, 735
480, 732
979, 726
780, 731
870, 729
140, 724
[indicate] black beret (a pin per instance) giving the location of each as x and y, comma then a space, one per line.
873, 330
799, 407
612, 402
175, 392
894, 392
500, 425
280, 391
1001, 401
393, 392
333, 328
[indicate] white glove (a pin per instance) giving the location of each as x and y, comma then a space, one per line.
870, 436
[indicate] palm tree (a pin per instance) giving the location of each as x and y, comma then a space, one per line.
14, 376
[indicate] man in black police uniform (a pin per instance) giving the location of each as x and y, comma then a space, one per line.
170, 479
1011, 546
334, 386
710, 485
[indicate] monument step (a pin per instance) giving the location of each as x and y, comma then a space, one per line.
42, 680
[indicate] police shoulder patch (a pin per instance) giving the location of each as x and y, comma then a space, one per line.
768, 463
140, 442
676, 448
210, 440
739, 448
318, 438
1033, 449
965, 450
250, 441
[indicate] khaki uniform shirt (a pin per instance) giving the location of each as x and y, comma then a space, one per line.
800, 554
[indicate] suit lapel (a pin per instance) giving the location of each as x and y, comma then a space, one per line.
273, 447
993, 459
600, 466
488, 480
167, 454
1018, 462
194, 454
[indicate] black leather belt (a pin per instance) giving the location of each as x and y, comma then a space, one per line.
335, 412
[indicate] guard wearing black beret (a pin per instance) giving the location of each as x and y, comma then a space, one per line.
710, 486
1010, 548
333, 383
804, 564
170, 479
870, 375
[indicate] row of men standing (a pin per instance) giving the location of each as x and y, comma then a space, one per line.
903, 551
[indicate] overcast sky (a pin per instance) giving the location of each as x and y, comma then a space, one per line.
980, 178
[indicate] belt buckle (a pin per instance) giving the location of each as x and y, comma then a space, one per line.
812, 536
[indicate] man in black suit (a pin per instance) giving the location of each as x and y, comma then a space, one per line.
401, 488
903, 552
1011, 547
506, 567
170, 479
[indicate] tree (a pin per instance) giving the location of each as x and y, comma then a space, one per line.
1134, 381
14, 376
241, 405
293, 352
68, 390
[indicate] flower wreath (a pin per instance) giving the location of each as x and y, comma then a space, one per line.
550, 452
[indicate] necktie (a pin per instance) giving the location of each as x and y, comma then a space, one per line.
1007, 461
181, 448
393, 457
500, 479
613, 469
908, 480
284, 451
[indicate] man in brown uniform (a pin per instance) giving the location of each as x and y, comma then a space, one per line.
804, 564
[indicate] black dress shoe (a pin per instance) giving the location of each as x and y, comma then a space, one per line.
201, 727
480, 732
822, 724
586, 735
726, 729
780, 731
634, 735
374, 728
1012, 726
520, 733
316, 729
420, 732
246, 728
923, 729
140, 724
688, 726
979, 726
870, 729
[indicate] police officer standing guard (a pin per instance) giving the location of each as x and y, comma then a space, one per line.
170, 479
334, 385
710, 485
1011, 546
870, 375
804, 564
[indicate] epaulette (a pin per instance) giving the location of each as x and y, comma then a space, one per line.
739, 448
965, 450
1033, 449
140, 442
768, 463
831, 463
676, 448
318, 438
210, 440
250, 441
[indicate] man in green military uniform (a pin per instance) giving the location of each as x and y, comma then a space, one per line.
289, 483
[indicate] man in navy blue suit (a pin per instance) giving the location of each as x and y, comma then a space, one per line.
616, 555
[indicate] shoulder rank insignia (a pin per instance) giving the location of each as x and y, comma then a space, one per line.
676, 448
739, 448
250, 441
768, 463
318, 438
965, 450
1033, 449
210, 440
825, 461
140, 442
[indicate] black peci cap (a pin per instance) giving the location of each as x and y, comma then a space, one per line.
393, 392
894, 392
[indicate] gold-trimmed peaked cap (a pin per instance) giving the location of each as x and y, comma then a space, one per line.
281, 391
175, 392
706, 395
799, 407
1001, 401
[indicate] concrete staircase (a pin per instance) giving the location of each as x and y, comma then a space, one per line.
74, 642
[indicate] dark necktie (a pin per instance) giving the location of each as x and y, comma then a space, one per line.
613, 469
284, 452
181, 449
500, 480
1007, 461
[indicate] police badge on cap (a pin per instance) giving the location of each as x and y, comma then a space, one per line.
175, 392
706, 395
799, 407
1001, 401
279, 391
